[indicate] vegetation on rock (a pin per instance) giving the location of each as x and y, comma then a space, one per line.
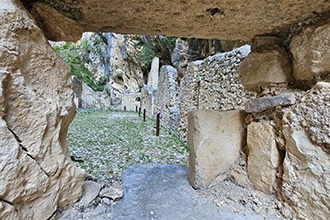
73, 55
154, 46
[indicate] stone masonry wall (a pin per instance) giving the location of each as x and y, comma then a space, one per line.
213, 83
166, 100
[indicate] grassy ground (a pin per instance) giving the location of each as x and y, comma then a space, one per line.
105, 143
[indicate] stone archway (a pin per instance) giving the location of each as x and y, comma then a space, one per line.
36, 100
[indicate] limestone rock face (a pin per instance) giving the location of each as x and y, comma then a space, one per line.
213, 153
311, 52
264, 68
306, 175
263, 159
226, 20
36, 108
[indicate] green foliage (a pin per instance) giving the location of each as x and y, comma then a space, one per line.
155, 46
147, 53
72, 54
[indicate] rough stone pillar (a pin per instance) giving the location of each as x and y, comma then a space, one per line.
264, 157
154, 73
36, 108
215, 139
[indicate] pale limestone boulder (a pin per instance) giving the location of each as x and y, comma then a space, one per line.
36, 109
311, 52
306, 178
264, 157
215, 139
265, 68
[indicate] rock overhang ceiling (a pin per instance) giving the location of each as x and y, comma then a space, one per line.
219, 19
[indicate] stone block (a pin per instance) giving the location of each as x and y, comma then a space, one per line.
215, 139
265, 68
311, 52
264, 103
263, 158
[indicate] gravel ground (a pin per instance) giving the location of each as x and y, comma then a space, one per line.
105, 143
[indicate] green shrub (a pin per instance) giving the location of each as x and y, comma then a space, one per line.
72, 54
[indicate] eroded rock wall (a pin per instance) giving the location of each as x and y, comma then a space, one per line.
295, 166
306, 178
36, 108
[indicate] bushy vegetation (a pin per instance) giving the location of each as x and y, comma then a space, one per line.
104, 143
155, 46
73, 54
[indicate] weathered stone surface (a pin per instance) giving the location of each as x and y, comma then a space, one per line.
306, 177
166, 100
311, 52
213, 83
202, 19
161, 191
265, 68
87, 98
148, 95
90, 192
154, 73
312, 114
263, 158
115, 192
264, 103
261, 43
36, 109
215, 139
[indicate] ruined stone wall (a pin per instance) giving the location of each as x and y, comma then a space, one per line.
212, 83
131, 102
166, 100
87, 98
